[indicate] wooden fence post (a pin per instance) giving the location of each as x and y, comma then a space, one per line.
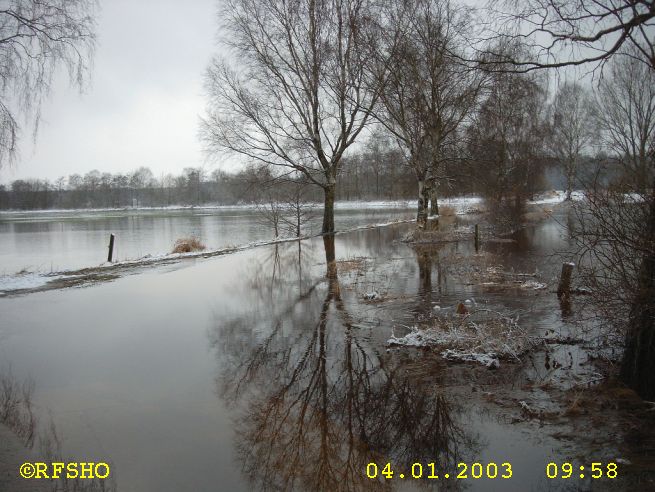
111, 248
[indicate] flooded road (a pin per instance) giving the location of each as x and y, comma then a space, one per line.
256, 371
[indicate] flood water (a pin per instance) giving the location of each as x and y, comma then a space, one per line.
253, 371
60, 240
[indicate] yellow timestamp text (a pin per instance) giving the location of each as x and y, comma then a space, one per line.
569, 470
433, 471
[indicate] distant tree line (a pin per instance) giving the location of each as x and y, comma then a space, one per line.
371, 174
375, 172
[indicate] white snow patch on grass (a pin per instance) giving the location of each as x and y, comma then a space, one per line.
531, 284
22, 281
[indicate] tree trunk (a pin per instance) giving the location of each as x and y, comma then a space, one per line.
570, 178
328, 210
638, 365
330, 256
422, 212
434, 204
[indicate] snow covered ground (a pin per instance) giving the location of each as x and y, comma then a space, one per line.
27, 280
557, 197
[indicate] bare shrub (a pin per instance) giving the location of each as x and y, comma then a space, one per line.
16, 407
188, 245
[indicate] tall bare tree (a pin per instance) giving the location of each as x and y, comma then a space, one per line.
37, 37
626, 114
295, 90
428, 93
572, 129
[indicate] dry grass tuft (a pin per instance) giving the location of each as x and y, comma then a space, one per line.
187, 245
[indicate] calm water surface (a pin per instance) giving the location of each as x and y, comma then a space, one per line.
253, 371
61, 240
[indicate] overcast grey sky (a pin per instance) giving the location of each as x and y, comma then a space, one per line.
143, 105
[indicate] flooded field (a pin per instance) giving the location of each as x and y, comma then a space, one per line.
62, 240
256, 371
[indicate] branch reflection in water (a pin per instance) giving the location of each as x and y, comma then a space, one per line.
314, 400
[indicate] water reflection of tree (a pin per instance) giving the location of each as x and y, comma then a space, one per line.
316, 402
281, 263
428, 258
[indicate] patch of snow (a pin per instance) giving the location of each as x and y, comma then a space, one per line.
415, 338
557, 197
489, 360
24, 281
531, 284
436, 308
634, 197
361, 205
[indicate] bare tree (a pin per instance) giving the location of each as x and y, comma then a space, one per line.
626, 113
572, 129
301, 92
298, 211
37, 37
428, 93
564, 33
506, 140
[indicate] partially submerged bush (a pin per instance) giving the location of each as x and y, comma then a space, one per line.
482, 336
187, 245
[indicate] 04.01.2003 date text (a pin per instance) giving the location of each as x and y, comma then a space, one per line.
430, 470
